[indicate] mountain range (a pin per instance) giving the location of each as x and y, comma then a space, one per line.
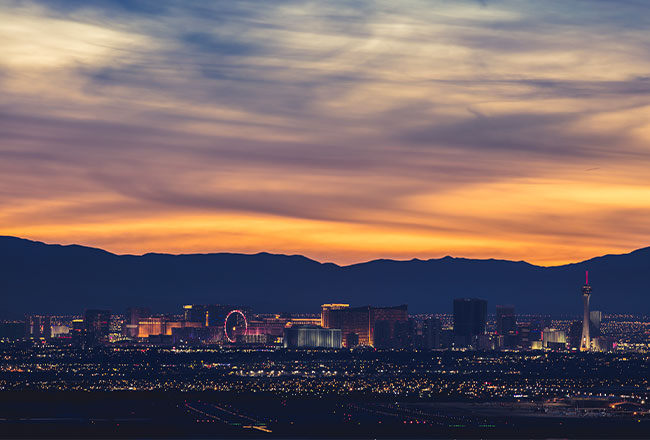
44, 278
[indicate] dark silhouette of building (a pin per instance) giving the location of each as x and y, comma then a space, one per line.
506, 320
195, 313
595, 318
392, 325
470, 318
38, 326
575, 334
506, 326
425, 334
97, 325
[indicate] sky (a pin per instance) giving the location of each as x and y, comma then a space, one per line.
341, 130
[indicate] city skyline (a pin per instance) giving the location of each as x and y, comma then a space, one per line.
346, 132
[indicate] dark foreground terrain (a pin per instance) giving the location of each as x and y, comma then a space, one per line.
216, 415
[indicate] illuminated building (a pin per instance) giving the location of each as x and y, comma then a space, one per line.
271, 326
59, 331
38, 326
78, 332
553, 338
196, 335
470, 318
595, 318
116, 329
156, 326
259, 339
305, 321
604, 343
311, 336
325, 310
133, 317
585, 340
359, 324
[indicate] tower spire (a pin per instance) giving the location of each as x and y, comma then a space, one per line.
585, 343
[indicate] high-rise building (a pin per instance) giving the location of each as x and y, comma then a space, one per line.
506, 326
426, 334
196, 313
506, 320
325, 310
97, 324
575, 334
388, 327
116, 328
354, 323
585, 340
595, 317
367, 325
78, 332
38, 326
470, 318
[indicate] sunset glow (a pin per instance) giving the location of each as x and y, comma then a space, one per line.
345, 132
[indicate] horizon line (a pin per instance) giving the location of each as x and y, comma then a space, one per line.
315, 260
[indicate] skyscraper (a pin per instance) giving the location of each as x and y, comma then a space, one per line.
585, 340
506, 320
366, 325
507, 326
325, 310
97, 324
595, 317
38, 326
470, 317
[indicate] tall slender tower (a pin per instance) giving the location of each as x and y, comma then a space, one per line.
585, 341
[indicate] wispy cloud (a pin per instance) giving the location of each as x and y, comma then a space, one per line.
345, 130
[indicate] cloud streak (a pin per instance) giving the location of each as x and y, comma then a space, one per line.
343, 131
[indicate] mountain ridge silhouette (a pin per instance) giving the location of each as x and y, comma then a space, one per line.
50, 278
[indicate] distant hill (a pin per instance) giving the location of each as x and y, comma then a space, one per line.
43, 278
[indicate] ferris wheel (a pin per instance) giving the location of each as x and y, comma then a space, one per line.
235, 326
